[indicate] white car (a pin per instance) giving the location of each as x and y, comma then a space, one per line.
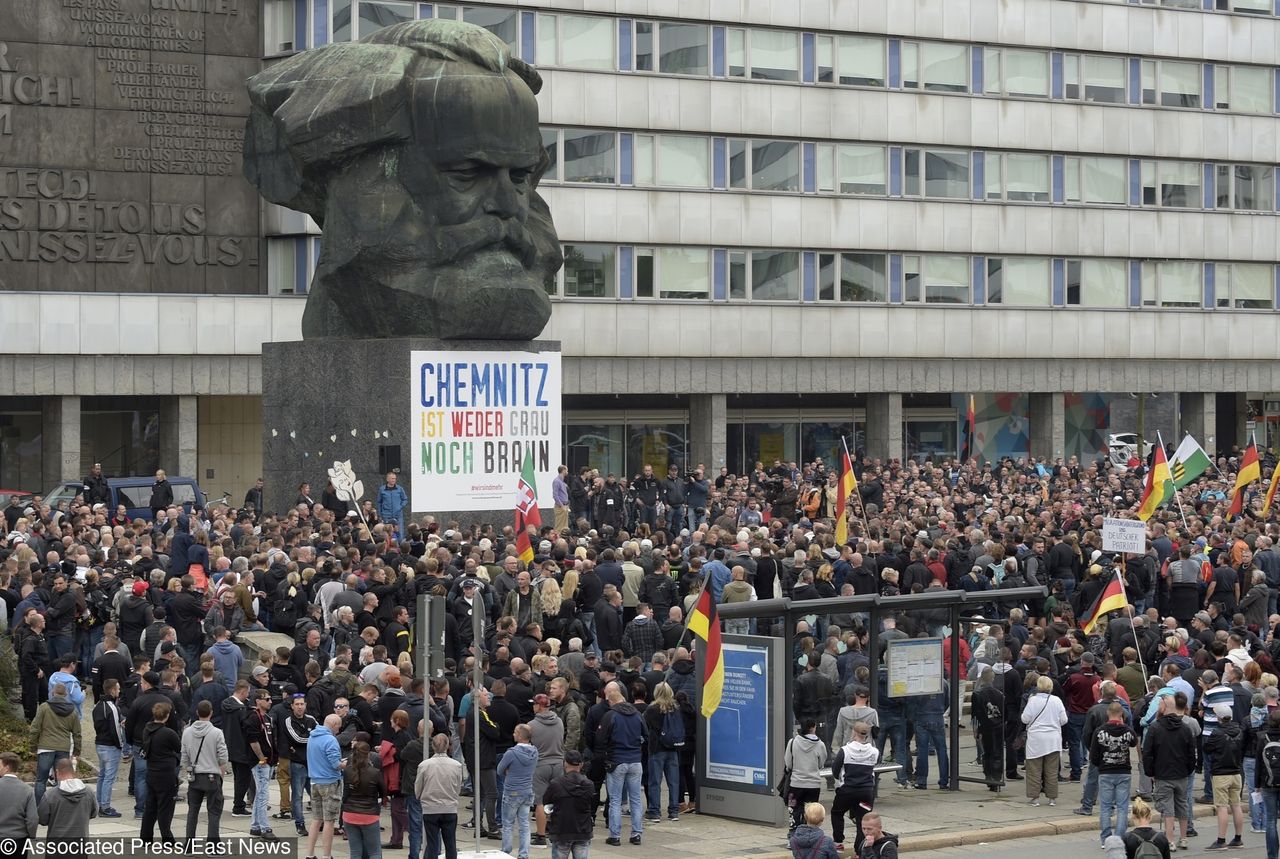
1122, 446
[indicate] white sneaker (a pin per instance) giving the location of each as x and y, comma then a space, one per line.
1053, 802
1034, 802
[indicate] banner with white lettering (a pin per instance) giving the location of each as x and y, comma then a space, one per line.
475, 415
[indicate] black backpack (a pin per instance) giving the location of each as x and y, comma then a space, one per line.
1271, 764
672, 734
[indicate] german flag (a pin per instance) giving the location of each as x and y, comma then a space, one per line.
846, 487
1159, 486
1271, 491
1250, 472
1111, 599
704, 624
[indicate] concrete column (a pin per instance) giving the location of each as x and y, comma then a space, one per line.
1200, 418
707, 431
1048, 419
179, 432
884, 426
61, 433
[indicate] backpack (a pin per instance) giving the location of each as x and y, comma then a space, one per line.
1271, 764
1147, 849
285, 613
672, 734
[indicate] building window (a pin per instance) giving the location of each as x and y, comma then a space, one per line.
1245, 286
1246, 89
775, 276
279, 23
1018, 281
1247, 187
862, 170
341, 20
1171, 84
682, 49
769, 55
935, 66
1095, 180
825, 59
589, 156
1253, 7
672, 161
1018, 177
937, 174
683, 273
644, 48
852, 277
1018, 73
775, 165
1174, 184
860, 60
282, 265
1172, 284
936, 279
551, 143
737, 276
1097, 283
590, 271
376, 16
503, 23
576, 42
1093, 78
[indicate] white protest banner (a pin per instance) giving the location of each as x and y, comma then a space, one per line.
475, 415
1124, 535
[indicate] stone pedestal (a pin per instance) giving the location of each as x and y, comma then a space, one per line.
337, 399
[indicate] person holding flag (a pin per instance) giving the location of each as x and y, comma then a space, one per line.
527, 514
1250, 472
1112, 598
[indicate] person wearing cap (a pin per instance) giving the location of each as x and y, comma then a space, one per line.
135, 616
1213, 694
569, 800
1225, 745
260, 738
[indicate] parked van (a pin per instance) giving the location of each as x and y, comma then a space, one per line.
134, 493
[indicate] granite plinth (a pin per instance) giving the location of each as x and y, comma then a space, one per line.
343, 399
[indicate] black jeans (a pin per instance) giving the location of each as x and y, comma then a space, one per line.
243, 786
204, 789
797, 799
437, 828
851, 802
162, 793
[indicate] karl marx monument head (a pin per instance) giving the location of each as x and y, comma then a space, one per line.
417, 150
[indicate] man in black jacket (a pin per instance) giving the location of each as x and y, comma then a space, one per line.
186, 616
813, 693
1226, 745
1169, 757
32, 660
95, 489
672, 491
140, 715
234, 711
608, 620
571, 797
60, 617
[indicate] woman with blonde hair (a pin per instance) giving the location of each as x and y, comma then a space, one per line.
1044, 717
550, 598
1142, 831
665, 728
569, 589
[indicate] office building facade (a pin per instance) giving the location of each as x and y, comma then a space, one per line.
787, 223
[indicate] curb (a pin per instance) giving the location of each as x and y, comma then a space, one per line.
972, 837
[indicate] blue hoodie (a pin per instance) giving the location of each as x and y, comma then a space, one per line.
516, 768
227, 660
75, 694
323, 756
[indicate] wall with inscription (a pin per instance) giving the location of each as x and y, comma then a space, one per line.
121, 125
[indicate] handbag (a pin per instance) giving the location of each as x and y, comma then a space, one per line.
206, 782
784, 783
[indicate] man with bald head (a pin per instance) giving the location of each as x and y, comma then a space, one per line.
324, 765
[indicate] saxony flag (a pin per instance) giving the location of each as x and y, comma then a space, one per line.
704, 624
1111, 599
526, 509
1159, 486
1189, 462
1249, 472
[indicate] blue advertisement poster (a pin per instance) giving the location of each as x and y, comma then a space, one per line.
738, 733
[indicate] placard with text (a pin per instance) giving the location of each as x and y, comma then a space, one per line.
475, 416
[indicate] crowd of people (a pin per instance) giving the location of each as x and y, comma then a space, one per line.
588, 695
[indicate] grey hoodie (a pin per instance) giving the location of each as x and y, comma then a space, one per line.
805, 756
548, 737
68, 810
204, 749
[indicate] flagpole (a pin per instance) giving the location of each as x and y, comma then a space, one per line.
1176, 496
1137, 645
866, 533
